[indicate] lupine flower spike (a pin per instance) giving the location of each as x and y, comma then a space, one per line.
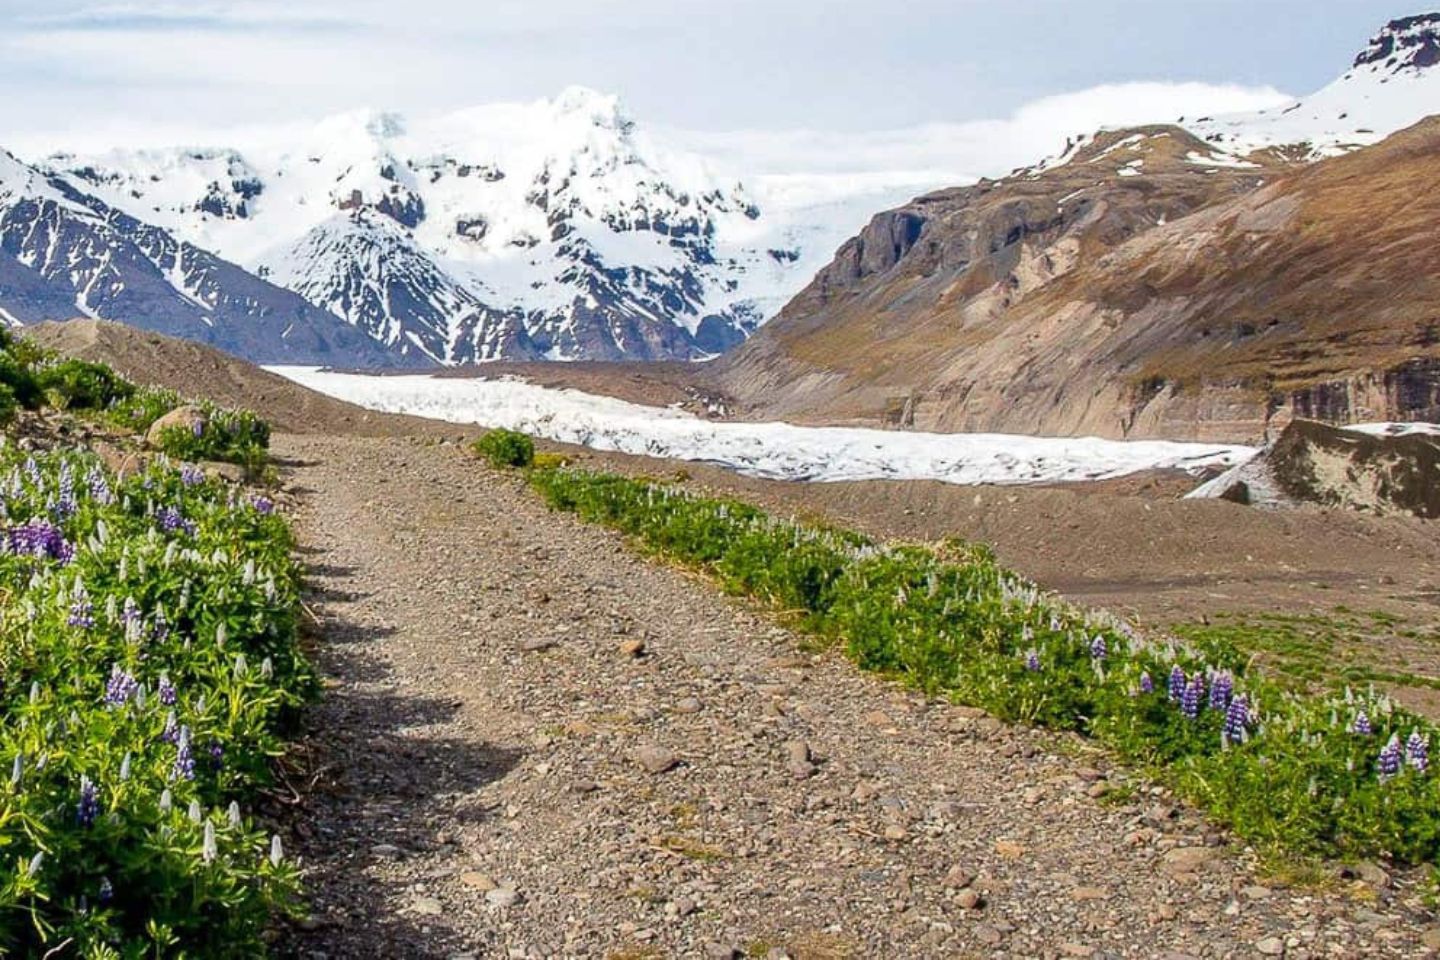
1417, 751
89, 806
1237, 720
1190, 699
1389, 763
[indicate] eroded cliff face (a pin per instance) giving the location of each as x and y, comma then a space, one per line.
1147, 287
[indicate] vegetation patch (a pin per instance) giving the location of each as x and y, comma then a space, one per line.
1341, 774
149, 668
505, 448
32, 377
148, 664
1316, 652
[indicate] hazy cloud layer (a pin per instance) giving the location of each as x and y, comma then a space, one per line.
89, 74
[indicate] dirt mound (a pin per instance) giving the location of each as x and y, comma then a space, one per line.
196, 370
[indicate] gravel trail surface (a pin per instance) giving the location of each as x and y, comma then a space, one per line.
536, 744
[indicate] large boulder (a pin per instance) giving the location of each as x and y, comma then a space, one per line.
1386, 471
188, 417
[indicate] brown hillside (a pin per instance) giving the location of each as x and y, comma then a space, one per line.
1176, 296
196, 370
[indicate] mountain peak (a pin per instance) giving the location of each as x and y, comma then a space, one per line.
601, 109
1407, 43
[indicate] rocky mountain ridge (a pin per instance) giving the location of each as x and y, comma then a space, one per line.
555, 230
64, 252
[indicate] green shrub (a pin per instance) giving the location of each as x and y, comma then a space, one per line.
20, 380
148, 666
505, 448
9, 406
232, 436
1287, 772
78, 385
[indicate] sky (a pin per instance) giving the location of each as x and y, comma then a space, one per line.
796, 75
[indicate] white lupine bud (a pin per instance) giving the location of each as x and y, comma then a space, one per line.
277, 852
220, 634
208, 848
34, 866
232, 814
166, 801
16, 769
195, 813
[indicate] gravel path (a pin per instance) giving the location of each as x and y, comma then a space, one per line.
536, 744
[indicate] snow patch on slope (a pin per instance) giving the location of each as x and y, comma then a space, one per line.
1394, 83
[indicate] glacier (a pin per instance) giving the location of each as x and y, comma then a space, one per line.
776, 451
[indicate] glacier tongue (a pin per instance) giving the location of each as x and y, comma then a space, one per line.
771, 450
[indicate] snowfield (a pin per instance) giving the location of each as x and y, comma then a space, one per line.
777, 451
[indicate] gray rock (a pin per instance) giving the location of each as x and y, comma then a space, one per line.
656, 759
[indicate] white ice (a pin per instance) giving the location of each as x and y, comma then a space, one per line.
772, 450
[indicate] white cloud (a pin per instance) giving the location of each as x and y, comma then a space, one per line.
977, 148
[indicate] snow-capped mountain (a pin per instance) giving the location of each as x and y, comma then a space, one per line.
65, 253
1393, 83
552, 230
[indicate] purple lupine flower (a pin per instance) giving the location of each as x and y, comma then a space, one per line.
161, 628
198, 428
39, 539
1190, 699
88, 808
1097, 647
1417, 751
99, 486
65, 505
217, 755
1222, 687
120, 687
106, 893
166, 691
171, 732
1389, 762
172, 520
1177, 683
82, 614
1146, 684
184, 766
191, 475
1361, 726
263, 505
130, 612
1237, 719
1032, 662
